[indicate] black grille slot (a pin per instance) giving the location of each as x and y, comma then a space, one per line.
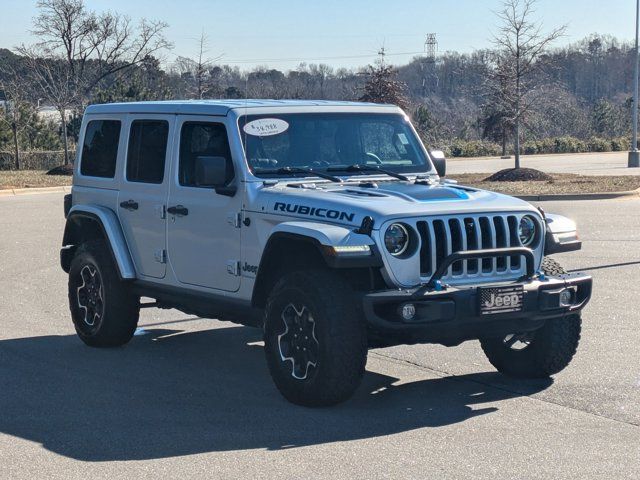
502, 240
457, 244
425, 249
471, 231
441, 241
485, 230
515, 240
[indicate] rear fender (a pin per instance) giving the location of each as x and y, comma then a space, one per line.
79, 218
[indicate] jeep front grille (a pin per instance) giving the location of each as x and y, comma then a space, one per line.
443, 236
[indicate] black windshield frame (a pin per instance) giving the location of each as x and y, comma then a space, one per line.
413, 159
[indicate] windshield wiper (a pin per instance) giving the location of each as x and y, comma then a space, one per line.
358, 167
289, 170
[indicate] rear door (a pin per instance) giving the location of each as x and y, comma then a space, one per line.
143, 193
204, 234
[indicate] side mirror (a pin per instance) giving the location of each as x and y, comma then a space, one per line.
439, 161
214, 172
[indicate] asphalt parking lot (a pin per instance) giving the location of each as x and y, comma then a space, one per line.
602, 163
192, 398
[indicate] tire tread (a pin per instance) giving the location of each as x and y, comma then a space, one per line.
344, 369
552, 349
122, 308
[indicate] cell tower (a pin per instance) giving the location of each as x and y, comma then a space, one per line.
431, 47
428, 64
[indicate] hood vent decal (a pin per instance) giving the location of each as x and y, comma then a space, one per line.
360, 193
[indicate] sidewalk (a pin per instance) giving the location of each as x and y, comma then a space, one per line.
608, 163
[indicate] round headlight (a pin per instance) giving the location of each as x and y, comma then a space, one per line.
527, 231
396, 239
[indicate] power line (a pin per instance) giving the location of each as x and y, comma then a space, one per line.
308, 59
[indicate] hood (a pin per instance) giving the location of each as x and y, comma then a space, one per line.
349, 203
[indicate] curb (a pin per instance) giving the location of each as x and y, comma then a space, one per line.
580, 196
33, 191
532, 156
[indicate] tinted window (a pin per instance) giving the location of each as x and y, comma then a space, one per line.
100, 148
147, 151
328, 141
200, 139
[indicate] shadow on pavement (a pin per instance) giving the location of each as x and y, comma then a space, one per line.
169, 393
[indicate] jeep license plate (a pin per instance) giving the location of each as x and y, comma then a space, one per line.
500, 299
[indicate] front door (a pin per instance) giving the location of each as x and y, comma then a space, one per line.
203, 230
143, 192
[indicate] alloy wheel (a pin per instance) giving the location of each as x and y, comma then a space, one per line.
89, 296
297, 343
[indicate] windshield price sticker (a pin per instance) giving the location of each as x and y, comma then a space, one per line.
265, 127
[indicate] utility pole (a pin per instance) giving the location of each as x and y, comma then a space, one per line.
382, 53
634, 154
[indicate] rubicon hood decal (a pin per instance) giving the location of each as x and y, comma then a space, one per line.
313, 211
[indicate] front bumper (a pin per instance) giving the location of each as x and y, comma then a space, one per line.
451, 315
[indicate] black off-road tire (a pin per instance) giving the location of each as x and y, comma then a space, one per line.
340, 331
113, 317
550, 350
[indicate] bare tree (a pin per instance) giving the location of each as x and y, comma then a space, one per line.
55, 80
78, 49
521, 45
18, 111
496, 118
198, 71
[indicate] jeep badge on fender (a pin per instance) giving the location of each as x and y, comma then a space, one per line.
328, 225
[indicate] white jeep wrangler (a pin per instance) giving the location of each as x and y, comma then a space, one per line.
326, 223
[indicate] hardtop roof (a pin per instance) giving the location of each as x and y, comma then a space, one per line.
222, 107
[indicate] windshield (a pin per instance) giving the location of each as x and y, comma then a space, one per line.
277, 144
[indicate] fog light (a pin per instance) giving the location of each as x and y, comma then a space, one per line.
566, 297
408, 311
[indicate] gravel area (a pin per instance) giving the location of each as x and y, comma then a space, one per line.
31, 179
561, 183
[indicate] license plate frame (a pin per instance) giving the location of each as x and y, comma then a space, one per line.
497, 300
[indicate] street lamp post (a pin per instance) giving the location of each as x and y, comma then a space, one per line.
634, 154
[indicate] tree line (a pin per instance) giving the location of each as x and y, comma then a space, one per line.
524, 94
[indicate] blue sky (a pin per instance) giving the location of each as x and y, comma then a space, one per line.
282, 33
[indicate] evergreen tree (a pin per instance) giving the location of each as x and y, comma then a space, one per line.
382, 86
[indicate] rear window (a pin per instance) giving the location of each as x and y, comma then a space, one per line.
147, 151
100, 148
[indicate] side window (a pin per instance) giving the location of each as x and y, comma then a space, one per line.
147, 151
100, 148
202, 139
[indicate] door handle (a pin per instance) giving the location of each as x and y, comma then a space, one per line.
178, 210
129, 205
